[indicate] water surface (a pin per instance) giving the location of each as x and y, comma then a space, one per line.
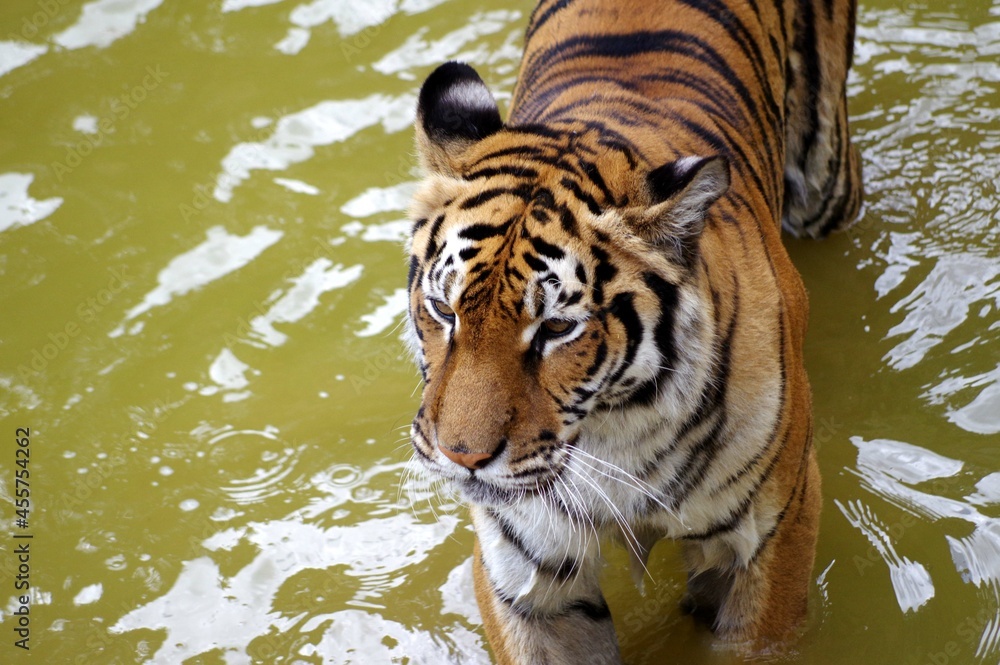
201, 216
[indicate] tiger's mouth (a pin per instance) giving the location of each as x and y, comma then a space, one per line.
485, 489
482, 489
502, 481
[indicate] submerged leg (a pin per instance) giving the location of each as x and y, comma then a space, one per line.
762, 601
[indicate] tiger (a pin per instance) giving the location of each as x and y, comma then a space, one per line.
607, 324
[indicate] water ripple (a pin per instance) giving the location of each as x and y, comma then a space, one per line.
17, 207
206, 610
888, 469
220, 254
297, 135
910, 580
103, 22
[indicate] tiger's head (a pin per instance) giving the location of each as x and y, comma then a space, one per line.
553, 277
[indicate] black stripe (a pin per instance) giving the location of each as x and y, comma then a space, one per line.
412, 272
538, 20
487, 195
432, 246
594, 175
604, 272
666, 293
547, 249
598, 611
805, 45
567, 221
717, 11
600, 355
721, 102
535, 263
798, 492
514, 170
477, 232
519, 150
587, 199
779, 420
690, 472
553, 84
623, 308
536, 130
725, 525
709, 446
418, 431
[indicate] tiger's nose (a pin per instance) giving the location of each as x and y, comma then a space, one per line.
471, 461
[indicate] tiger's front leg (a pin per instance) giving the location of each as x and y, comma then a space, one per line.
538, 592
760, 604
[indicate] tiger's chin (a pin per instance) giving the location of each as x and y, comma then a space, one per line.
474, 490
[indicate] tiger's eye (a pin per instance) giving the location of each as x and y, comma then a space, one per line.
443, 310
558, 327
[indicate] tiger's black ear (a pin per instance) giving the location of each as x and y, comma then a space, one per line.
455, 110
680, 193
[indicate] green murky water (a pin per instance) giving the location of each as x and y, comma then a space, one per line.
201, 270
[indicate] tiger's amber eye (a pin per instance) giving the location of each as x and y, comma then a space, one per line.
443, 310
558, 327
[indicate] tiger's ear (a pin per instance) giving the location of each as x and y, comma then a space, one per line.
455, 110
680, 192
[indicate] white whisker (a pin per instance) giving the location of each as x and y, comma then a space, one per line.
630, 538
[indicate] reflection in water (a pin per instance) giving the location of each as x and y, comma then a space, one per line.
982, 414
17, 208
890, 470
932, 181
910, 580
219, 255
236, 5
385, 314
229, 374
301, 299
271, 480
349, 17
208, 610
296, 136
353, 637
89, 594
942, 302
380, 199
103, 22
416, 52
17, 54
297, 186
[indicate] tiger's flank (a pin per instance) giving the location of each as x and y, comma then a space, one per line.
608, 326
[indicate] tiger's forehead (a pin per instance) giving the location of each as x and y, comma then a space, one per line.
504, 252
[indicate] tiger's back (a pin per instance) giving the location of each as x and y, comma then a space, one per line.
609, 328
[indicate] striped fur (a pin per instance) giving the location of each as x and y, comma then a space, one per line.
608, 326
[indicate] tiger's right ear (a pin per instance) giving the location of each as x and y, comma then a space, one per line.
455, 111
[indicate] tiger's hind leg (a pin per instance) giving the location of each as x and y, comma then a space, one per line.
760, 604
823, 186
